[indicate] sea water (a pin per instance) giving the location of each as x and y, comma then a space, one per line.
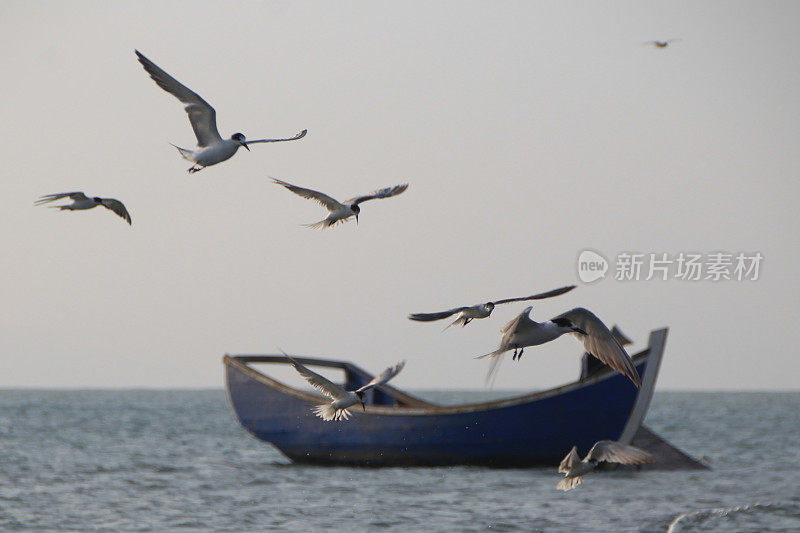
170, 460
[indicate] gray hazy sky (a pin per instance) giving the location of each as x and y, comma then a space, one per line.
527, 130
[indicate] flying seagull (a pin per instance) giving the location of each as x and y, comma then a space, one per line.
81, 202
339, 212
342, 399
467, 314
211, 148
605, 450
587, 328
662, 44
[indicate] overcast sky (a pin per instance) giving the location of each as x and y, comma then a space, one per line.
528, 131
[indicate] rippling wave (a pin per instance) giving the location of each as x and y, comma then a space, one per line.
759, 516
162, 460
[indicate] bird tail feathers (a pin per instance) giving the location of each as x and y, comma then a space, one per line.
328, 412
322, 224
460, 320
186, 154
326, 223
490, 355
496, 359
569, 483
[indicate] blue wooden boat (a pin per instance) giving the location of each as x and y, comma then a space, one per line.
399, 428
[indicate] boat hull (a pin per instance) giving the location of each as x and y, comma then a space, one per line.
530, 430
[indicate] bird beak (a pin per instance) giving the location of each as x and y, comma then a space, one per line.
363, 406
245, 145
356, 219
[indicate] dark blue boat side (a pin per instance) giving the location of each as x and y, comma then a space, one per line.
400, 429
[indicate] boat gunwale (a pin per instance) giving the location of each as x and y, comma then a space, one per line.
240, 362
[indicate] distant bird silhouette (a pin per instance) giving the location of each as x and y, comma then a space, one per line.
467, 314
587, 328
342, 399
211, 147
605, 450
339, 212
662, 44
82, 202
